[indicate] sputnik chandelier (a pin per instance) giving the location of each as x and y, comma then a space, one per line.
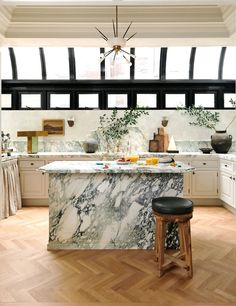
117, 43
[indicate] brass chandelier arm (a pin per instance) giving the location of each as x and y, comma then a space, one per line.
103, 35
126, 59
116, 21
131, 36
114, 30
106, 54
130, 54
114, 57
127, 29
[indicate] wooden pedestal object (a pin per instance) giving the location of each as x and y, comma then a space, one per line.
32, 139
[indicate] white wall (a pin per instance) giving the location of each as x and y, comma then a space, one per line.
86, 121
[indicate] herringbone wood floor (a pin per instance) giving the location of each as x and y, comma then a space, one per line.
31, 275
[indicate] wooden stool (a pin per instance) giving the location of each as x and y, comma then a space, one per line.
179, 210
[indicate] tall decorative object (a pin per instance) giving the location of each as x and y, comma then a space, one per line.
160, 141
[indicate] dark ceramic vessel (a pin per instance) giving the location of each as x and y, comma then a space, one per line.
221, 142
90, 146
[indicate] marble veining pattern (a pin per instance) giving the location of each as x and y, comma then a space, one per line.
113, 210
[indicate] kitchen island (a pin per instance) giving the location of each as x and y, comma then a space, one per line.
105, 205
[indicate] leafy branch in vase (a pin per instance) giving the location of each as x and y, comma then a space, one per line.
204, 118
114, 127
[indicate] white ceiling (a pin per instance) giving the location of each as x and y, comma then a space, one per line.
194, 22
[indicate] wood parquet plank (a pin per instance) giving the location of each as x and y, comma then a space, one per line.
32, 276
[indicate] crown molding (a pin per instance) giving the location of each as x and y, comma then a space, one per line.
160, 23
5, 18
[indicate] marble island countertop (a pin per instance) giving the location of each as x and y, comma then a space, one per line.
112, 167
112, 156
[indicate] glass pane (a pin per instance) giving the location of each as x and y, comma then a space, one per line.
147, 63
30, 100
6, 100
87, 61
206, 62
228, 97
117, 100
6, 70
174, 100
229, 68
147, 100
177, 64
57, 63
205, 100
28, 63
120, 69
59, 100
88, 100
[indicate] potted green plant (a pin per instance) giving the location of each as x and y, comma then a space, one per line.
114, 127
220, 141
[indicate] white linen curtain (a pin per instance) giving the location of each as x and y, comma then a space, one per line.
10, 188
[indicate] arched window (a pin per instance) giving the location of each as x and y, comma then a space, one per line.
6, 69
57, 63
28, 63
87, 62
229, 68
177, 63
206, 62
147, 63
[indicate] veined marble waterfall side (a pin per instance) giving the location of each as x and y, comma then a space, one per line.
106, 210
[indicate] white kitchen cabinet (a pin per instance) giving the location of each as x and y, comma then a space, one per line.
227, 183
33, 184
204, 180
204, 183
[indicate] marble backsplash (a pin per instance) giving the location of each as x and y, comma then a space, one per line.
76, 146
133, 143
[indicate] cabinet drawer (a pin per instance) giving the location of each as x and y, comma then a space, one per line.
226, 165
31, 164
204, 164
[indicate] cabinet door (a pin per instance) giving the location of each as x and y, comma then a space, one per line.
204, 183
32, 184
226, 188
187, 184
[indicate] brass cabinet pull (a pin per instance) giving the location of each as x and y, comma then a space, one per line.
31, 164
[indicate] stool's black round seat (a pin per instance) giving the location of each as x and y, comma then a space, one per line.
172, 205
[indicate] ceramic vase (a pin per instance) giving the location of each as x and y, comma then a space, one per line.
221, 142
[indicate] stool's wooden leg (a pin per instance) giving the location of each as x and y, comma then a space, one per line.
188, 248
181, 239
156, 246
161, 229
